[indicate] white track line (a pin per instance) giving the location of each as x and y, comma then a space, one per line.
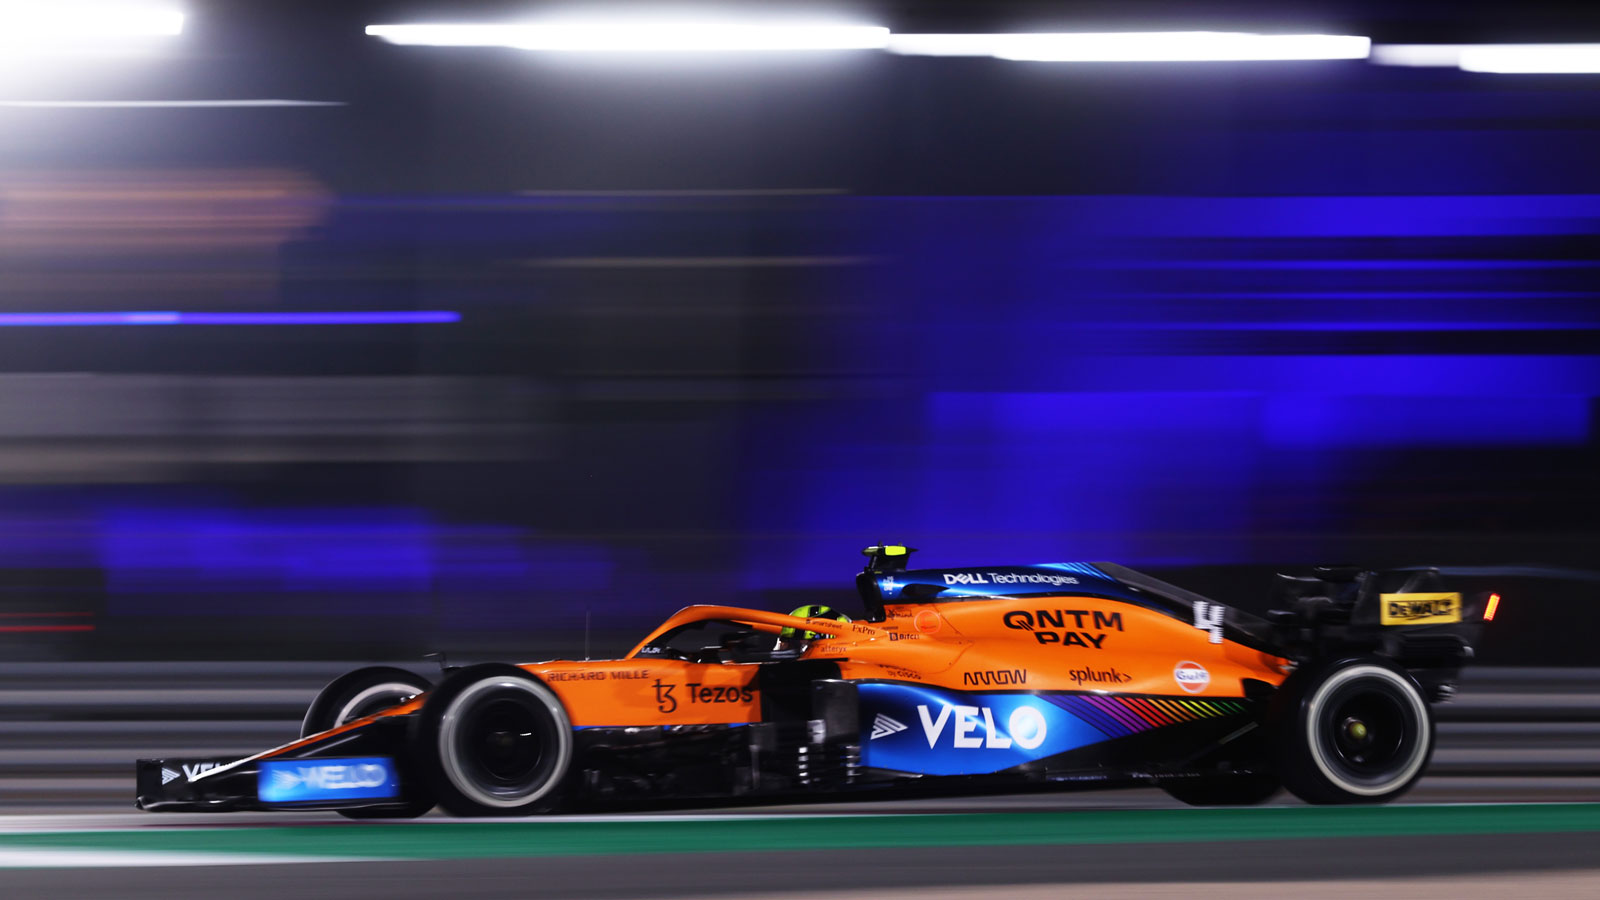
56, 858
172, 822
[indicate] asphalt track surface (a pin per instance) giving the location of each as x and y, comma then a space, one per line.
923, 849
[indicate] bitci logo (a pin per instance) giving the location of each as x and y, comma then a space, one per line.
1191, 676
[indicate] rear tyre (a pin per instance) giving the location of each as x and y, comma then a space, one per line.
494, 741
358, 694
1355, 731
1225, 790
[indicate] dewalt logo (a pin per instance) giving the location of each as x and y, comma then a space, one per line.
1419, 609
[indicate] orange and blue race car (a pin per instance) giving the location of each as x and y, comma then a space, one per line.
987, 678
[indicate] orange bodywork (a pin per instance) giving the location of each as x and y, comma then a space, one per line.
1059, 643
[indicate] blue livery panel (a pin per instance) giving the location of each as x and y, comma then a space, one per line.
922, 585
909, 728
328, 780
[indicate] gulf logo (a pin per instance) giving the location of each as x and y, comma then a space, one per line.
1191, 676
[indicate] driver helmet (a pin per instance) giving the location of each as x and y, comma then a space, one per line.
814, 611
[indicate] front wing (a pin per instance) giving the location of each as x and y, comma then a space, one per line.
209, 785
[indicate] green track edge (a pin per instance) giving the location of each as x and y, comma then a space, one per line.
557, 836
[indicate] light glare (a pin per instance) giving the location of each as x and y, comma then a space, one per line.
34, 26
1421, 55
1511, 59
638, 37
1155, 46
164, 104
1517, 59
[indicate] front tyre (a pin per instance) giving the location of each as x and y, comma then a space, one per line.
356, 695
494, 741
1356, 731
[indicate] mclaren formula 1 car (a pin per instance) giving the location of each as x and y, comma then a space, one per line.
955, 679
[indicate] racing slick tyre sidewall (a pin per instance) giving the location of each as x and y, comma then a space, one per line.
360, 693
1246, 789
494, 741
1357, 730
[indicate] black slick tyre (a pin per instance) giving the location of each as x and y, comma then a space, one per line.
494, 740
358, 694
1356, 730
1246, 789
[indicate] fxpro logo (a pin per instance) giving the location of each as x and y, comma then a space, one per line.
974, 727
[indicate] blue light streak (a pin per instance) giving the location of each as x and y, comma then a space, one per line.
1346, 326
80, 319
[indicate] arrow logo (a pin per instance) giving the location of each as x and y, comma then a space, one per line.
883, 726
167, 775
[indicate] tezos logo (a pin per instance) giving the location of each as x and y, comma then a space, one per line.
1191, 676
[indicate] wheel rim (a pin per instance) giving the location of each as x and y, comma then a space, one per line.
1368, 730
504, 742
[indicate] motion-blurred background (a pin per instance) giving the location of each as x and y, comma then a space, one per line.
317, 346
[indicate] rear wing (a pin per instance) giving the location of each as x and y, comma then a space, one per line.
1412, 616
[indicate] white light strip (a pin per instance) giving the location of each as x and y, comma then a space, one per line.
639, 37
1155, 46
1554, 59
162, 104
1422, 55
62, 22
950, 44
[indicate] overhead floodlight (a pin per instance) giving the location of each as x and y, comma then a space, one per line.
1153, 46
66, 25
634, 36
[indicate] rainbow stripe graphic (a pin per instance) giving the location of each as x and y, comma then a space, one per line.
1121, 716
